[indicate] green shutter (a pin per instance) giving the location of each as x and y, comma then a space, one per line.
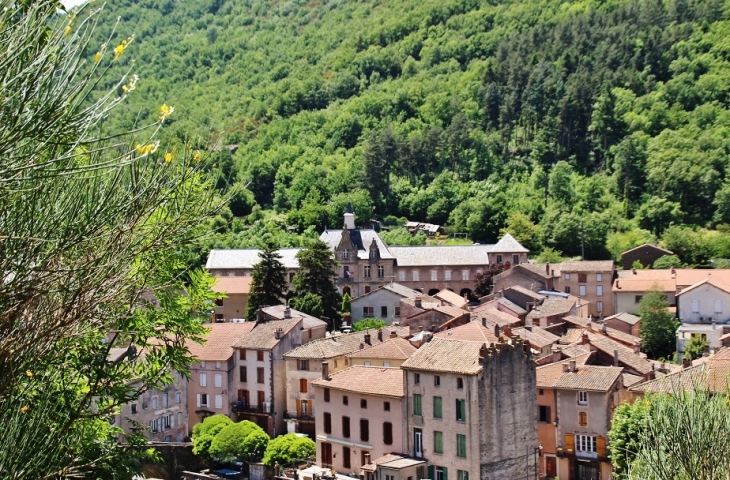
416, 404
446, 473
431, 472
437, 410
438, 442
461, 445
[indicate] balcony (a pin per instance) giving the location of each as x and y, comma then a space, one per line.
344, 280
243, 407
300, 418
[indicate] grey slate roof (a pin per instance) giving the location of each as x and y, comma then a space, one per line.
397, 288
429, 256
508, 244
526, 291
308, 321
361, 239
247, 258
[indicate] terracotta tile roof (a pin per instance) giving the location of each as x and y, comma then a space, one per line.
629, 380
626, 355
595, 327
232, 285
495, 317
503, 303
372, 466
537, 268
335, 346
220, 341
538, 337
552, 306
683, 380
586, 266
263, 337
645, 274
527, 292
575, 350
426, 301
625, 317
384, 381
586, 377
308, 321
471, 332
445, 355
451, 297
572, 336
689, 276
631, 285
393, 348
714, 281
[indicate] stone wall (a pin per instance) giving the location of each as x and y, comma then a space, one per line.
507, 413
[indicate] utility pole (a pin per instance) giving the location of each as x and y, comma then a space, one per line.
582, 242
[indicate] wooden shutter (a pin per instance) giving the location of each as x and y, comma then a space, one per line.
446, 473
601, 447
299, 408
431, 472
198, 398
569, 442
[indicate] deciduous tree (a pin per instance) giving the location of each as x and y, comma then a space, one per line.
658, 326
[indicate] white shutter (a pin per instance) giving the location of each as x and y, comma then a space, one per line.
219, 401
198, 395
172, 421
218, 380
203, 379
718, 306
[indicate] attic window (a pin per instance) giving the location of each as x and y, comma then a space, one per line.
345, 254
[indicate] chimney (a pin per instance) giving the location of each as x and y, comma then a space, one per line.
552, 273
260, 315
686, 363
617, 287
325, 370
604, 330
633, 270
484, 321
637, 348
584, 339
367, 338
615, 358
566, 368
277, 333
547, 268
706, 352
418, 302
507, 331
572, 366
393, 334
287, 312
420, 328
496, 331
362, 345
557, 354
367, 458
483, 350
380, 335
433, 327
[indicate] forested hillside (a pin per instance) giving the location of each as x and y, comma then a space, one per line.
606, 120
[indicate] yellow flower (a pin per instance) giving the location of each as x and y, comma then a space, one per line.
165, 111
29, 373
67, 31
24, 409
144, 150
119, 49
125, 89
197, 156
97, 57
168, 157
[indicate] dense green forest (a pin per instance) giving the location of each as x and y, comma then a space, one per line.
602, 121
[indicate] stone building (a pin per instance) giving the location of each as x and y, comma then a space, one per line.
383, 303
233, 306
471, 408
645, 254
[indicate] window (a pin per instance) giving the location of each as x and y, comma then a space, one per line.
543, 414
465, 274
440, 473
327, 395
447, 275
179, 422
438, 442
218, 380
178, 397
718, 306
462, 475
387, 433
436, 381
401, 275
219, 401
260, 375
460, 410
383, 311
396, 311
304, 365
417, 442
416, 276
260, 355
460, 383
367, 363
417, 378
695, 306
217, 365
203, 379
515, 259
345, 400
582, 290
165, 401
327, 422
637, 298
437, 407
417, 404
386, 406
134, 408
582, 278
303, 385
599, 277
345, 254
461, 445
567, 290
346, 457
386, 364
242, 354
202, 364
243, 373
582, 419
434, 275
367, 288
381, 271
364, 430
582, 398
219, 302
566, 276
366, 270
346, 427
599, 306
585, 444
202, 399
599, 290
540, 391
368, 312
363, 403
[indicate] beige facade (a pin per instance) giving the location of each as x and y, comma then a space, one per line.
360, 417
233, 305
164, 413
208, 389
591, 281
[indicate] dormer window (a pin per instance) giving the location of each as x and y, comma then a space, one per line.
345, 254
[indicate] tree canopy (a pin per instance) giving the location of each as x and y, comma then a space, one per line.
658, 325
368, 324
316, 278
285, 449
268, 281
244, 441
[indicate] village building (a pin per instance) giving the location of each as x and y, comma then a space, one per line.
391, 353
394, 467
304, 365
383, 303
312, 327
624, 322
361, 416
645, 254
232, 307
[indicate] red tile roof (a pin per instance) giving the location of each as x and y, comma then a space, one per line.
471, 332
394, 348
383, 381
449, 356
232, 285
219, 342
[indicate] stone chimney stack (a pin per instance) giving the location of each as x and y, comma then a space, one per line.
686, 363
287, 312
557, 353
615, 358
325, 370
547, 269
572, 366
484, 321
278, 333
367, 338
418, 302
584, 340
393, 334
496, 331
566, 368
637, 348
380, 335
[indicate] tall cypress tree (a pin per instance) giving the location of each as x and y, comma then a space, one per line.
268, 286
316, 276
